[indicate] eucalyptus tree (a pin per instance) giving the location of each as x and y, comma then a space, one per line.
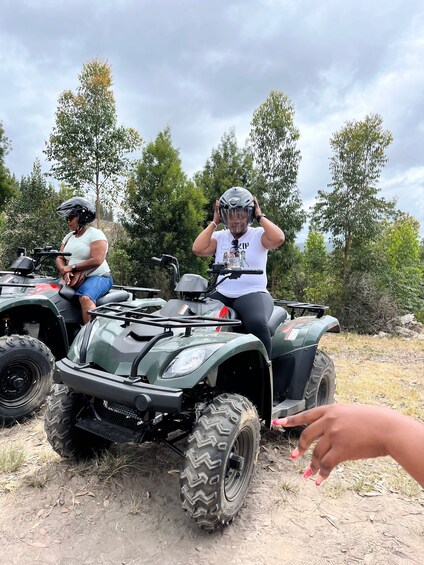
274, 144
8, 184
352, 211
87, 148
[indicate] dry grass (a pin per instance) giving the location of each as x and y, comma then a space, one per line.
386, 372
12, 457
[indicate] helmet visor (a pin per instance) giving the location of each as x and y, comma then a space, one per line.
238, 213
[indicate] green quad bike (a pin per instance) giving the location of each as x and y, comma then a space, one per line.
39, 318
189, 370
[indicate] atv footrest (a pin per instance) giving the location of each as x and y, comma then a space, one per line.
109, 431
287, 408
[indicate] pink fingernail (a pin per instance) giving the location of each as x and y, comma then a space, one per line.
319, 481
294, 454
307, 473
279, 422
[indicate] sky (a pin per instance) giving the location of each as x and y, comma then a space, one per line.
204, 66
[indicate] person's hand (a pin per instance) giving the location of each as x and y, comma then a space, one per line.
344, 432
216, 215
257, 209
66, 273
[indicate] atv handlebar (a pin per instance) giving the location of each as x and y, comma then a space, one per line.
52, 253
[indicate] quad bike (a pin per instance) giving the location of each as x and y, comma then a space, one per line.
189, 370
39, 317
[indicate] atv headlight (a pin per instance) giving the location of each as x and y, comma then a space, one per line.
75, 350
189, 360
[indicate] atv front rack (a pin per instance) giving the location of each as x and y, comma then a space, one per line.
129, 314
319, 309
135, 314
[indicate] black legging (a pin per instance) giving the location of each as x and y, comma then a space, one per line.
254, 310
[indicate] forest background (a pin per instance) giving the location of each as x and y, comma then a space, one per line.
363, 256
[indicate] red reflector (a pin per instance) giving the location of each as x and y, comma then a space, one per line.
40, 288
223, 313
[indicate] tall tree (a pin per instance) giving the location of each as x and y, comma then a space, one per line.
352, 211
8, 184
88, 149
274, 138
228, 166
30, 218
164, 210
398, 254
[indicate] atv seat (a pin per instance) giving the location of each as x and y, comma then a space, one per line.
113, 296
278, 316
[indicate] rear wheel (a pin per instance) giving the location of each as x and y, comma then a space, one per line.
26, 366
63, 408
220, 461
321, 385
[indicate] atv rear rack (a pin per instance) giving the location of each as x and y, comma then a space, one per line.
151, 292
319, 309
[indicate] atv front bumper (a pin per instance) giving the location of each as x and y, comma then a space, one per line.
133, 393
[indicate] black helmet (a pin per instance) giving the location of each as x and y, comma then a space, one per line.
80, 207
236, 198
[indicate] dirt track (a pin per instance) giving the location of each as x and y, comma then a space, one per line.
127, 511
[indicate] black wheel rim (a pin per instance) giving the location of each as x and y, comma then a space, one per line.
322, 394
235, 478
19, 383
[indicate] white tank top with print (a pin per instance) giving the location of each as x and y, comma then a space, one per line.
249, 253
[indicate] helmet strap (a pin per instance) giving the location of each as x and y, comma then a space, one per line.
238, 236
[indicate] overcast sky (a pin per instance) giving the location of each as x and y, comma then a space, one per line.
203, 66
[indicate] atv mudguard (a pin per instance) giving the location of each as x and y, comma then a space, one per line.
294, 346
43, 309
305, 331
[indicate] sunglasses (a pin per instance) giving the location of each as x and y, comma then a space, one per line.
235, 246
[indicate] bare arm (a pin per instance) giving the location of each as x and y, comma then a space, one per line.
354, 431
273, 236
98, 251
61, 262
205, 245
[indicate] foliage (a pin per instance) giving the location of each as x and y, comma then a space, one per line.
227, 166
365, 307
87, 147
398, 254
31, 219
273, 138
352, 212
164, 211
8, 184
120, 264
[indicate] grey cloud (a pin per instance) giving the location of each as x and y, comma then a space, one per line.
204, 66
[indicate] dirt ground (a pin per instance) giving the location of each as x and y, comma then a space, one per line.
126, 511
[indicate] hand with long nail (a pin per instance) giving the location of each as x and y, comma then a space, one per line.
346, 432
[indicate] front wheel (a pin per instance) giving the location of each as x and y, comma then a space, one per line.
321, 385
26, 367
64, 406
220, 461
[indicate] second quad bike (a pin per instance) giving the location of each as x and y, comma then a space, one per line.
39, 318
189, 370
